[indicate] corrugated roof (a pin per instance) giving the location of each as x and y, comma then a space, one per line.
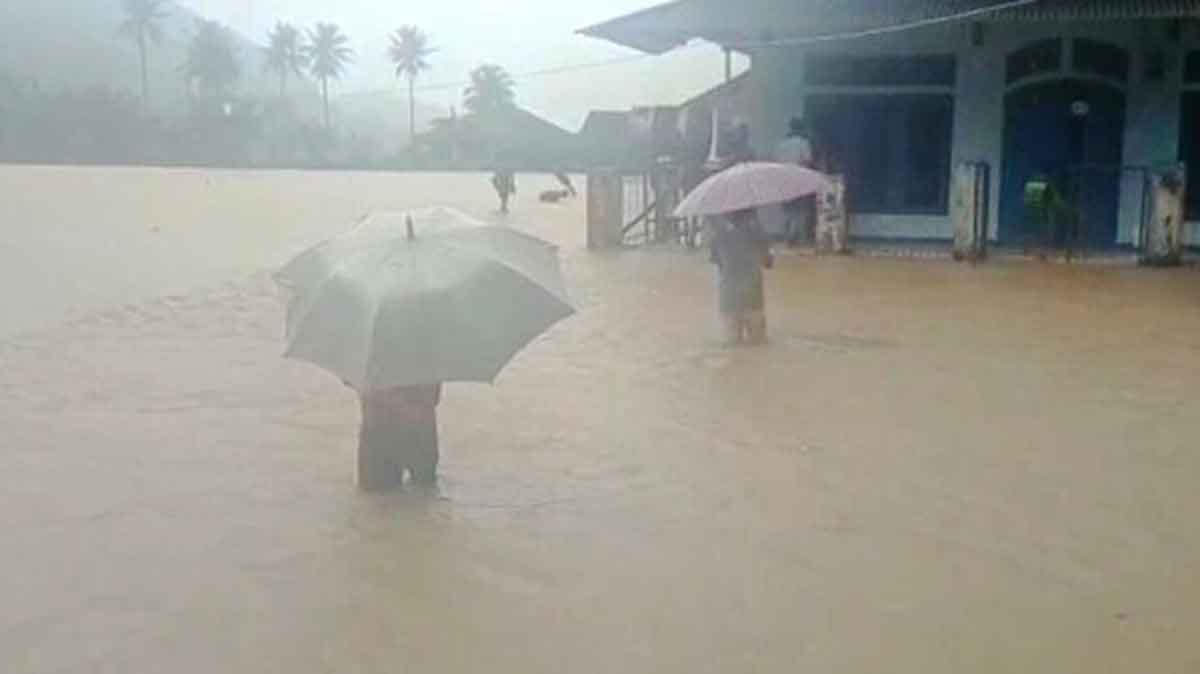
1100, 10
753, 22
602, 122
732, 88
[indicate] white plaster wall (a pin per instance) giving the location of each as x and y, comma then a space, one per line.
901, 226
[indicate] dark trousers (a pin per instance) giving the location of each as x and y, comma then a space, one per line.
387, 448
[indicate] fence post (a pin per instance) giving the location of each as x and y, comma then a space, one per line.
833, 231
605, 210
1163, 226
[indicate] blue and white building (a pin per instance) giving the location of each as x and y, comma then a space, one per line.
901, 92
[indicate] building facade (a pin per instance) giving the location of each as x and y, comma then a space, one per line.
1093, 97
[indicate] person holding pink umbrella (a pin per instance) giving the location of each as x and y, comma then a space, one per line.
740, 251
739, 247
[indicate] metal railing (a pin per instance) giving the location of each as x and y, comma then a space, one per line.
648, 200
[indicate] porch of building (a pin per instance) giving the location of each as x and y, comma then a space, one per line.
1088, 99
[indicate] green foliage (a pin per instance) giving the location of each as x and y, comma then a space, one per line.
285, 54
328, 51
491, 89
212, 64
143, 24
410, 51
328, 54
143, 19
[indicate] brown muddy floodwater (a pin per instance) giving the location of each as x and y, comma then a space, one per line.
931, 469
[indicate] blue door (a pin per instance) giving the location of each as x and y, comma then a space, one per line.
1070, 133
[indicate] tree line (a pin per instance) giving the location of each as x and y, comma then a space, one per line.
321, 52
219, 126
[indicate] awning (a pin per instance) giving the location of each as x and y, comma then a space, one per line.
654, 30
749, 23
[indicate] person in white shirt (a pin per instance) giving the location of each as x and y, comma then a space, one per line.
797, 149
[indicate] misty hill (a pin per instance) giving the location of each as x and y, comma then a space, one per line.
74, 44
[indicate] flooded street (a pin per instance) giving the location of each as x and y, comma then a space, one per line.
932, 468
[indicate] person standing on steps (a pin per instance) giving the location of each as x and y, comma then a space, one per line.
797, 149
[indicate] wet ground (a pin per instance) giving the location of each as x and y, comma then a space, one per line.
931, 468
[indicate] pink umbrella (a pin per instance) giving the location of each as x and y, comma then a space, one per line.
750, 185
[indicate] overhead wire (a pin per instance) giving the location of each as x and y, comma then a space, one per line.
520, 76
760, 44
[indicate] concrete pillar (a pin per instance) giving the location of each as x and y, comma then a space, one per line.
605, 213
968, 211
1162, 240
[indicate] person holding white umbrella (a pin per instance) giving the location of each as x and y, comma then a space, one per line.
406, 301
399, 435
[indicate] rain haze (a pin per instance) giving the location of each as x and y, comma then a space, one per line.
753, 336
525, 36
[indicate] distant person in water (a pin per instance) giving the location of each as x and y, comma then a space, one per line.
399, 434
741, 252
565, 180
505, 183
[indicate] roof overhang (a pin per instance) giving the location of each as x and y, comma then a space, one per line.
747, 24
655, 30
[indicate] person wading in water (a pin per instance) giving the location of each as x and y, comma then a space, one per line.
740, 251
398, 434
505, 184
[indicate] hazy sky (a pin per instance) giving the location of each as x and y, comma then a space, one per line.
521, 35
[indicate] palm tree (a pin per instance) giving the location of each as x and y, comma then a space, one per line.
285, 54
491, 89
409, 51
211, 61
143, 24
328, 56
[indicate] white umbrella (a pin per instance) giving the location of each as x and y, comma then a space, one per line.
751, 185
427, 296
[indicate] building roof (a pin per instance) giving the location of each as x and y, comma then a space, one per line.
749, 23
605, 125
1098, 10
731, 89
514, 131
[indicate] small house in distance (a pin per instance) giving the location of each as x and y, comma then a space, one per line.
512, 135
638, 138
604, 138
1090, 96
